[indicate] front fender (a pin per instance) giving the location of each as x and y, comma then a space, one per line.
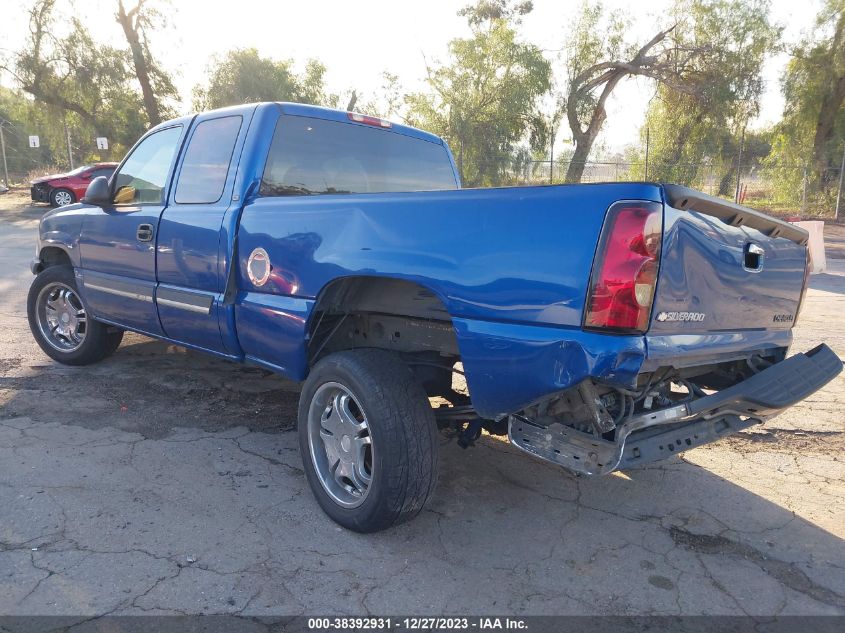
60, 229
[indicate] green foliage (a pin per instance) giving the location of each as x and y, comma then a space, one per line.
494, 99
812, 131
485, 100
243, 76
597, 36
24, 116
70, 77
704, 125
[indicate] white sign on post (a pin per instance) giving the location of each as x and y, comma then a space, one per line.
34, 141
102, 142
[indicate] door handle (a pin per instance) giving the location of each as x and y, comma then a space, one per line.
753, 257
145, 233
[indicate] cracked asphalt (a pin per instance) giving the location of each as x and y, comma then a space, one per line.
161, 481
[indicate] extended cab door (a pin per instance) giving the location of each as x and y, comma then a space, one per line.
117, 245
191, 251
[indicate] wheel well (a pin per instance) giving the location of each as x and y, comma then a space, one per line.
53, 256
392, 314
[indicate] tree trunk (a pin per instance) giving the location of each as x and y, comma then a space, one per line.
727, 180
584, 138
604, 75
578, 162
139, 60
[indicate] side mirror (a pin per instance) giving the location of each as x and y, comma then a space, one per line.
98, 192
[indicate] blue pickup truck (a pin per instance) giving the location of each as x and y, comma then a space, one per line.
597, 326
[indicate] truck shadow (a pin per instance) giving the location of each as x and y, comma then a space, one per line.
828, 283
151, 387
514, 534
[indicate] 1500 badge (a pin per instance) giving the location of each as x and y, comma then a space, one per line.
694, 317
783, 318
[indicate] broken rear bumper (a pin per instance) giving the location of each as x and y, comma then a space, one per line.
658, 434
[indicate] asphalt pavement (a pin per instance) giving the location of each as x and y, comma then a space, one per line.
162, 481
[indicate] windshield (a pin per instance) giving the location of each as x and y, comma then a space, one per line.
79, 170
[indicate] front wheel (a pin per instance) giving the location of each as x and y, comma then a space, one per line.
61, 197
368, 439
60, 321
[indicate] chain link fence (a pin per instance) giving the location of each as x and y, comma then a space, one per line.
784, 190
55, 151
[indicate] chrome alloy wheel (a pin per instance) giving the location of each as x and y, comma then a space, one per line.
61, 317
340, 444
62, 198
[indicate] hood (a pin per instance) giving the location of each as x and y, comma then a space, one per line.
47, 178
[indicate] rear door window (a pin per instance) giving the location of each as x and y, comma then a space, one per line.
313, 156
206, 164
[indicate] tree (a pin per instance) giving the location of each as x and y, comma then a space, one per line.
704, 125
812, 130
156, 84
71, 72
74, 81
598, 58
243, 76
484, 101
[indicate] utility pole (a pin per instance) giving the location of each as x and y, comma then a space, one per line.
804, 192
838, 193
552, 161
647, 142
67, 135
739, 166
710, 176
6, 168
461, 160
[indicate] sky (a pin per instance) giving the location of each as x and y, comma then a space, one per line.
359, 40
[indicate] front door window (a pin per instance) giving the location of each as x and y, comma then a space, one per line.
142, 177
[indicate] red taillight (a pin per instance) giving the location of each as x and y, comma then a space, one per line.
625, 269
368, 120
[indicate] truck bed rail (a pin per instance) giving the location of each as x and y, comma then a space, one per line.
688, 199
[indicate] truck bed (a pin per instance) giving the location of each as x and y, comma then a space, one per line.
511, 267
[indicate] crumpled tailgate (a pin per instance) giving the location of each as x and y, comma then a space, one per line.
724, 268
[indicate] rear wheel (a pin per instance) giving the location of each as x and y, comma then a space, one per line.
60, 321
61, 197
368, 439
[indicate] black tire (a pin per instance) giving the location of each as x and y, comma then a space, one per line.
100, 340
55, 192
402, 429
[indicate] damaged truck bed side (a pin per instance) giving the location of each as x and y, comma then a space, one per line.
598, 326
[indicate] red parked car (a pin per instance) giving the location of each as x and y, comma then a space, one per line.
62, 189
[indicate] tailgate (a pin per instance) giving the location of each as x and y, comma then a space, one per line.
725, 268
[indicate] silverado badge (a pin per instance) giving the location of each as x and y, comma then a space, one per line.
694, 317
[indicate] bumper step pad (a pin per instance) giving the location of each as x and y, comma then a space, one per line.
776, 388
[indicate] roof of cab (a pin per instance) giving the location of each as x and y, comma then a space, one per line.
301, 109
330, 114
